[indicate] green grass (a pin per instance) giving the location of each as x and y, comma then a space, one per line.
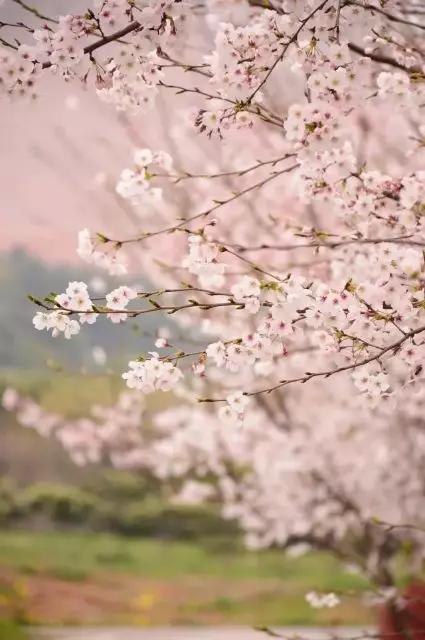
72, 394
209, 587
88, 554
11, 631
69, 394
279, 607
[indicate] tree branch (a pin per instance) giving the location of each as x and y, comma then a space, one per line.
376, 57
133, 26
326, 374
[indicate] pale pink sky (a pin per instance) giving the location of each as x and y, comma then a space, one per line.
49, 157
51, 151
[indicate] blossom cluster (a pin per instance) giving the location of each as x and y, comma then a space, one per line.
322, 600
128, 80
152, 374
135, 184
242, 54
76, 301
234, 408
17, 71
203, 261
90, 250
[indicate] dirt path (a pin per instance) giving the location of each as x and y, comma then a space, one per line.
120, 600
113, 599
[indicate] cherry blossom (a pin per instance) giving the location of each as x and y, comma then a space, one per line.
236, 405
58, 322
152, 374
322, 600
90, 250
202, 261
135, 184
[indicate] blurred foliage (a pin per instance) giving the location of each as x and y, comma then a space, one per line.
8, 499
151, 518
123, 504
57, 503
11, 631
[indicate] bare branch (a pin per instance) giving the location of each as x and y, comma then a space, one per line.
204, 214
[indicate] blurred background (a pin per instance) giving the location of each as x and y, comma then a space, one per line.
95, 546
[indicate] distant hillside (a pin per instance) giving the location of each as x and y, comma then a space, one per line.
23, 347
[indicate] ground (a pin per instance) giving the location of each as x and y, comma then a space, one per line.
89, 578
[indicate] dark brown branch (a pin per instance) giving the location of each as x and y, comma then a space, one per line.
106, 40
8, 44
377, 57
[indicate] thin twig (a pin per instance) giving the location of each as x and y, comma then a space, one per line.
35, 12
292, 39
391, 17
401, 240
203, 214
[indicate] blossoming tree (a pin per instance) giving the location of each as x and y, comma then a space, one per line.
283, 229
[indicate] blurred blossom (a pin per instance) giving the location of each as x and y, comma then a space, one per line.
71, 102
298, 550
100, 179
194, 492
352, 568
97, 284
322, 600
10, 396
99, 355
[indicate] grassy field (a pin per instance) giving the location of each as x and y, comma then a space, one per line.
68, 393
53, 578
11, 631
